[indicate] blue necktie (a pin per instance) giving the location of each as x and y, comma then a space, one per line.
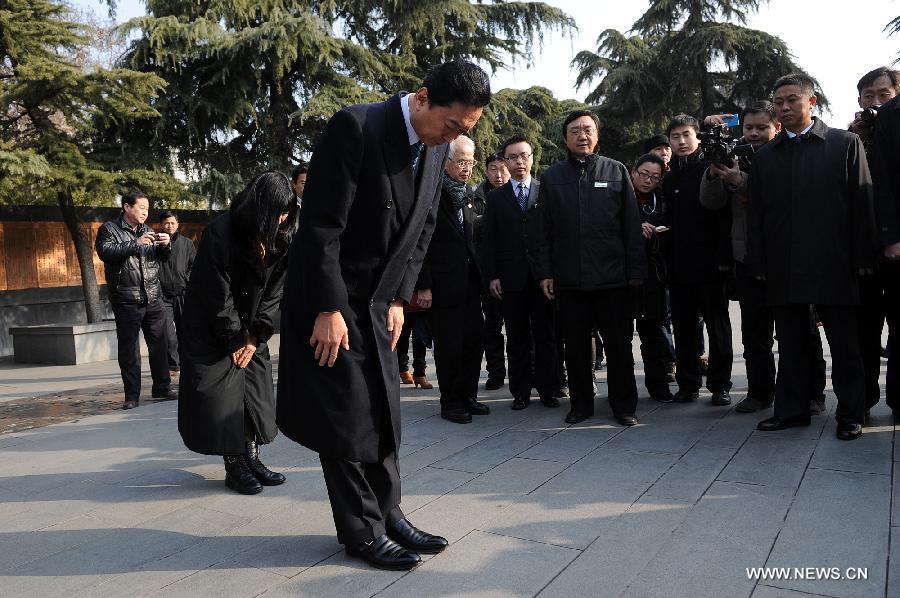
416, 152
522, 197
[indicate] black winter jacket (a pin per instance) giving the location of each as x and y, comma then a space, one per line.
132, 270
175, 272
589, 226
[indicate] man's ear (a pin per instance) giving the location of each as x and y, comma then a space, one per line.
422, 98
813, 100
777, 125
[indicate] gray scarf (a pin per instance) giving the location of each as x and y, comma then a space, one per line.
455, 190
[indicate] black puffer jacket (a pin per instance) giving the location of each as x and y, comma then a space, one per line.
132, 270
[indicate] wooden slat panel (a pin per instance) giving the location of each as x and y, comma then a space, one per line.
21, 267
98, 264
2, 260
73, 272
51, 255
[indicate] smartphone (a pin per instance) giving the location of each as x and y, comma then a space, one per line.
732, 121
661, 229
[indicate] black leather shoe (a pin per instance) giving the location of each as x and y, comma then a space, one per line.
574, 417
627, 420
412, 538
773, 424
550, 401
266, 476
384, 553
130, 404
663, 397
476, 408
520, 403
238, 476
847, 429
492, 384
721, 398
457, 416
686, 396
169, 395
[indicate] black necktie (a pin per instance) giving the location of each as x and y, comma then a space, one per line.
416, 152
522, 197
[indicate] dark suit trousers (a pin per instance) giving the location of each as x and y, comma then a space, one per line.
418, 347
757, 328
709, 300
891, 282
611, 312
529, 317
131, 319
796, 377
493, 337
173, 305
655, 355
458, 346
871, 315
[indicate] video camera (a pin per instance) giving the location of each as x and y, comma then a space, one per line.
717, 146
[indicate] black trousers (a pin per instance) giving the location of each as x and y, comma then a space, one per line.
880, 300
655, 355
795, 345
610, 311
418, 347
710, 300
890, 274
494, 353
131, 319
458, 346
173, 305
757, 330
529, 316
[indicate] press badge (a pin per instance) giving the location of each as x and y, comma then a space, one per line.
601, 184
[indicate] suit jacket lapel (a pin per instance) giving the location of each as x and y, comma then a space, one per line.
532, 194
397, 158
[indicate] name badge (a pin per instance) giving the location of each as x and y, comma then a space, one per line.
601, 184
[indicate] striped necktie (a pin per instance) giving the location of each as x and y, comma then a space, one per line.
522, 197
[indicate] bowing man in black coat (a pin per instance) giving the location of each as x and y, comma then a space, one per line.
450, 284
369, 210
227, 404
508, 222
811, 235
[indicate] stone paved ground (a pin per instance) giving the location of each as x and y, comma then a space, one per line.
113, 505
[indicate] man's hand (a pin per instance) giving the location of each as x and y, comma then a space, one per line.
547, 287
329, 333
716, 119
729, 174
648, 230
147, 239
425, 298
163, 238
395, 319
243, 355
495, 289
861, 127
892, 252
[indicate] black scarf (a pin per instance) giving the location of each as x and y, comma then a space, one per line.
455, 190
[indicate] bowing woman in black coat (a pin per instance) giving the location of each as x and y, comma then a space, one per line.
227, 402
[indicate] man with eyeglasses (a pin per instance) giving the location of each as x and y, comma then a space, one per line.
508, 225
588, 252
496, 175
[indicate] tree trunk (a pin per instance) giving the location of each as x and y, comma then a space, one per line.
85, 253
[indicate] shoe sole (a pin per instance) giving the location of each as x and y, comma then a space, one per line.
382, 566
240, 491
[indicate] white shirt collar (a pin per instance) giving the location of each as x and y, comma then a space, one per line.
791, 134
515, 184
410, 131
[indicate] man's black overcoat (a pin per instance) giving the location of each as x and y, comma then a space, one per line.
812, 223
363, 234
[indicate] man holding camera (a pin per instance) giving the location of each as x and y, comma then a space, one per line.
811, 235
131, 253
726, 184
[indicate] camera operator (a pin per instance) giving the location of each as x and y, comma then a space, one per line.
875, 88
885, 163
727, 185
698, 263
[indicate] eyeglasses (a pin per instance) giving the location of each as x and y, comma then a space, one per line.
649, 177
464, 163
586, 130
515, 157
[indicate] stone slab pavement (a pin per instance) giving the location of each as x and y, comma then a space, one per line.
681, 505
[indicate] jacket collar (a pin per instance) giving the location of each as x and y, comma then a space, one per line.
125, 226
819, 129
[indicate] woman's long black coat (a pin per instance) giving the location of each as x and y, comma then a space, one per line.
230, 290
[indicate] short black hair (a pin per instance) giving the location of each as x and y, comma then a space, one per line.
168, 214
806, 83
869, 78
652, 159
683, 120
495, 157
131, 198
576, 114
458, 81
301, 168
760, 107
512, 141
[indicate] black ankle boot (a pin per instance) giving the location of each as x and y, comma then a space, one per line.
238, 476
265, 476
